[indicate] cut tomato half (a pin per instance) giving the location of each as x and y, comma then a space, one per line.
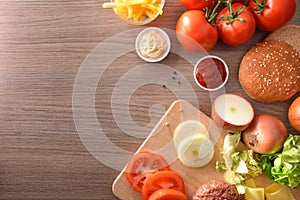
141, 166
162, 180
168, 194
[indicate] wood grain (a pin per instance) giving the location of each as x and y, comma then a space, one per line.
160, 141
42, 45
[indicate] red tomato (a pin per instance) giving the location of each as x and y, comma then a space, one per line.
270, 15
168, 194
141, 166
241, 29
238, 1
197, 4
194, 32
162, 180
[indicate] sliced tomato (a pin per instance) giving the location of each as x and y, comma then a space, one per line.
168, 194
162, 180
141, 166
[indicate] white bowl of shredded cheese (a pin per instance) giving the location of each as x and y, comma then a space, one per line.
136, 12
152, 44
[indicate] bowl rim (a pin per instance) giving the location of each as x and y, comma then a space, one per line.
226, 69
166, 37
141, 22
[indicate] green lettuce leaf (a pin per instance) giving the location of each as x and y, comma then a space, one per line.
284, 167
291, 149
237, 164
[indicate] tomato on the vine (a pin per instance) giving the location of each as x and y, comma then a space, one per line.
270, 15
162, 180
141, 166
168, 194
197, 4
194, 32
236, 24
238, 1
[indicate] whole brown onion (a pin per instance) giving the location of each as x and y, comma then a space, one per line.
265, 135
294, 114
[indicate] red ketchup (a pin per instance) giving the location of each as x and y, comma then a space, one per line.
211, 73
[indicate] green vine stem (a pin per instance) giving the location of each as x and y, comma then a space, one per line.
211, 13
261, 5
233, 16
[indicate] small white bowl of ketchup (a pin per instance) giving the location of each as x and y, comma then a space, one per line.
211, 73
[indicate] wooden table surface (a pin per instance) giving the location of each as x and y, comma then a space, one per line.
42, 47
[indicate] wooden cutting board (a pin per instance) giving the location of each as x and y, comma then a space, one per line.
160, 141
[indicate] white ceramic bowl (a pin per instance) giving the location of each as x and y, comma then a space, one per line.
147, 20
163, 34
223, 81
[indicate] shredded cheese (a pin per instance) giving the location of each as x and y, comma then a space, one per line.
138, 10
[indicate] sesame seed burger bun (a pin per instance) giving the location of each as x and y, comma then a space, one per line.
270, 72
289, 33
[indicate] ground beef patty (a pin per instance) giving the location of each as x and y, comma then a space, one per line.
216, 190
